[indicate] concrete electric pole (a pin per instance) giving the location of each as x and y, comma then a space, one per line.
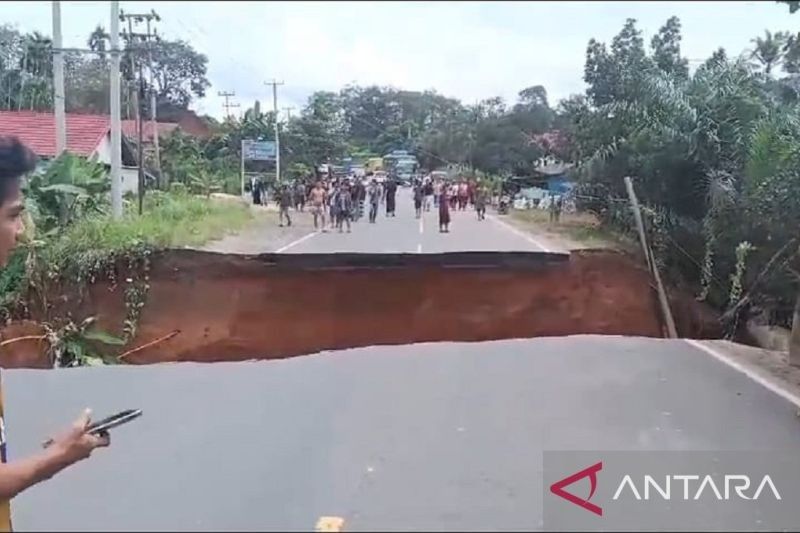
139, 91
275, 84
153, 105
58, 81
116, 118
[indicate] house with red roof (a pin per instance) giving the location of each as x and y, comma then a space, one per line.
87, 136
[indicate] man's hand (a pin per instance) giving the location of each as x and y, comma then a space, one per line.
60, 452
76, 444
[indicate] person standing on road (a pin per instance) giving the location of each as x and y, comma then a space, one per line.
362, 197
76, 443
343, 201
437, 192
428, 192
555, 208
374, 197
284, 203
452, 195
463, 195
391, 191
444, 211
480, 201
419, 195
354, 194
317, 198
255, 190
299, 195
334, 189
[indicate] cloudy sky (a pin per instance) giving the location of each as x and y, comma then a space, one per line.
468, 50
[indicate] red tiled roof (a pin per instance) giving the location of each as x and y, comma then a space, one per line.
38, 131
164, 128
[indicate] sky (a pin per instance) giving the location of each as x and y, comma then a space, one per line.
466, 50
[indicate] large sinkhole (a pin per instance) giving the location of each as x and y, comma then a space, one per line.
205, 306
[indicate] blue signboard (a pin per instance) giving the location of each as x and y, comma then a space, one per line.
258, 150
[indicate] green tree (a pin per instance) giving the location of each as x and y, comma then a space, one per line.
666, 47
770, 50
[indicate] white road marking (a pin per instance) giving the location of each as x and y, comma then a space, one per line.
421, 225
294, 243
758, 378
519, 233
419, 248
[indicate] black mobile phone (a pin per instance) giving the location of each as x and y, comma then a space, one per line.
102, 426
123, 417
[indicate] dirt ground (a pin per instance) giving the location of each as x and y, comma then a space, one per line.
213, 307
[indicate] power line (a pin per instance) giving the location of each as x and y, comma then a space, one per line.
227, 105
132, 36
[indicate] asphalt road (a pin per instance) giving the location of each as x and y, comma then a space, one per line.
405, 234
443, 436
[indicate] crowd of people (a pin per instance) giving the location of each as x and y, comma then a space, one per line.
336, 203
450, 195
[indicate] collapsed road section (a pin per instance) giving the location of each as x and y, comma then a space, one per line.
204, 306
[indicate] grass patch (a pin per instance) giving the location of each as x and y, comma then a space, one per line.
168, 221
584, 229
91, 245
43, 271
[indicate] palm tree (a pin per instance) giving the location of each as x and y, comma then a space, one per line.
770, 50
97, 40
37, 56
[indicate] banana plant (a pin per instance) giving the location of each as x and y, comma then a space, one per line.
67, 188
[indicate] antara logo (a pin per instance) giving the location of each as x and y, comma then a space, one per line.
739, 483
557, 488
704, 485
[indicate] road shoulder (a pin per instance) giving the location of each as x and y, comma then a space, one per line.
574, 231
264, 234
770, 368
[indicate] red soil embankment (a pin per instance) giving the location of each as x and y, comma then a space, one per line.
231, 307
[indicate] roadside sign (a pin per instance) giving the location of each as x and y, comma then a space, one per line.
258, 150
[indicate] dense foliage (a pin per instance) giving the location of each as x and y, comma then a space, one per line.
715, 157
26, 74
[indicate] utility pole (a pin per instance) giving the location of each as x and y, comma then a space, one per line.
116, 118
58, 82
288, 112
227, 105
132, 99
669, 321
140, 140
139, 91
275, 84
153, 111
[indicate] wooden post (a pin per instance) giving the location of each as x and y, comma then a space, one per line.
651, 263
